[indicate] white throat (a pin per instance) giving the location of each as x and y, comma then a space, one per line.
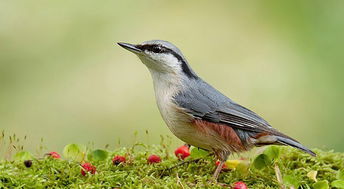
167, 79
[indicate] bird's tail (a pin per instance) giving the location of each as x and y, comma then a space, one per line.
293, 143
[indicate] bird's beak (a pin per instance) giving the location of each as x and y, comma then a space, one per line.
130, 47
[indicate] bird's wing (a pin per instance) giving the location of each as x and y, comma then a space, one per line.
204, 102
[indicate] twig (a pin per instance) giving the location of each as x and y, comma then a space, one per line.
182, 163
279, 176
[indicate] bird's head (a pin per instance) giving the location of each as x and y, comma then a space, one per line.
162, 57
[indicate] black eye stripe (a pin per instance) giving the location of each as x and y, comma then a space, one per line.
161, 49
154, 48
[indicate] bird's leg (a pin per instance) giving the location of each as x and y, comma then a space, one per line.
218, 170
222, 156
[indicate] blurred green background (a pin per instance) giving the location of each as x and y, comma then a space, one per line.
62, 77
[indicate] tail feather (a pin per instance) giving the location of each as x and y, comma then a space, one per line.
293, 143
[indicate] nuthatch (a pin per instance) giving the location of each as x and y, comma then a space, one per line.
197, 113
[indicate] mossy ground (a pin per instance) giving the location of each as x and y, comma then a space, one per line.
47, 172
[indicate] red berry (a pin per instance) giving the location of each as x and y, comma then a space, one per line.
54, 155
154, 159
240, 185
182, 152
88, 167
224, 166
118, 159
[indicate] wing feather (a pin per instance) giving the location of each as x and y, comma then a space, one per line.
204, 102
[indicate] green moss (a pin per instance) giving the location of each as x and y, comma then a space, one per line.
136, 173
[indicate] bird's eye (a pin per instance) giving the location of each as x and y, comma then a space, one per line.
156, 49
153, 48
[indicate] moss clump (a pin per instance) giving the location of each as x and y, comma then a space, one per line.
47, 172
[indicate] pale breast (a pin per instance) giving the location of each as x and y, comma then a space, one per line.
178, 121
174, 116
165, 87
182, 124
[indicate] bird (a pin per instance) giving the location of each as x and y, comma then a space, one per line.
197, 113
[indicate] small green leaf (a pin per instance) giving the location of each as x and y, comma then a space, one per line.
273, 152
261, 161
290, 180
74, 152
321, 185
243, 167
338, 184
340, 175
22, 156
198, 153
312, 175
98, 155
